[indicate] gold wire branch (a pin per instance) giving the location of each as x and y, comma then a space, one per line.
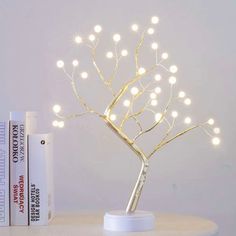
100, 74
138, 123
137, 51
117, 60
82, 101
124, 88
158, 121
130, 109
109, 118
71, 116
162, 144
93, 49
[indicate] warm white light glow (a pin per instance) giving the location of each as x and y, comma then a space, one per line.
55, 123
173, 69
164, 55
154, 103
61, 124
84, 75
134, 27
141, 70
91, 37
56, 108
157, 90
134, 90
116, 38
112, 117
75, 63
187, 101
153, 95
172, 80
109, 55
60, 64
187, 120
216, 130
182, 94
154, 20
215, 141
97, 28
150, 31
126, 103
124, 53
154, 46
145, 87
211, 121
78, 39
157, 77
174, 114
158, 117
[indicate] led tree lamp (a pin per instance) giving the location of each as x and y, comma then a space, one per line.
143, 88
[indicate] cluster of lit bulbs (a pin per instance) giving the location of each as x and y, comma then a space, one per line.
135, 90
60, 124
116, 38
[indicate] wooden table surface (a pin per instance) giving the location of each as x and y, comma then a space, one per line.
91, 225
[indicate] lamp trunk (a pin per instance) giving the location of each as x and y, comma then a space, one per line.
136, 193
134, 199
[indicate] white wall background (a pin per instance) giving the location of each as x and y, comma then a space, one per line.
93, 169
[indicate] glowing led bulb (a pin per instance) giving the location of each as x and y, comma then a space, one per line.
216, 130
150, 31
126, 103
55, 123
154, 46
60, 64
215, 141
134, 90
158, 117
211, 121
157, 77
187, 101
174, 114
141, 70
164, 55
173, 69
154, 20
112, 117
84, 75
97, 28
124, 53
157, 90
116, 38
182, 94
56, 108
153, 95
134, 27
61, 124
187, 120
109, 55
154, 102
78, 39
91, 37
172, 80
75, 63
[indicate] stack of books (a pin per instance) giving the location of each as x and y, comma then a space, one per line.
26, 172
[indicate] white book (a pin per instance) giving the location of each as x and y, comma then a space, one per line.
4, 173
41, 202
21, 124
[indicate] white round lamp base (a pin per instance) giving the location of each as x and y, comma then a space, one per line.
135, 222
